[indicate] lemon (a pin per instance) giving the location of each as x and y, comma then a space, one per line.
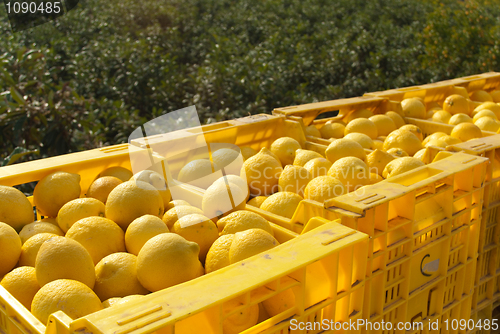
243, 220
236, 180
156, 180
431, 113
401, 165
279, 303
119, 172
396, 118
342, 148
361, 138
77, 209
227, 159
199, 173
362, 125
413, 129
55, 190
101, 187
318, 167
466, 131
378, 144
114, 301
413, 107
324, 187
197, 228
459, 118
495, 95
21, 284
242, 319
249, 243
10, 248
284, 148
397, 152
377, 160
374, 178
487, 124
484, 113
218, 254
247, 152
441, 116
294, 179
72, 297
30, 248
166, 260
173, 215
491, 106
352, 172
384, 124
61, 257
481, 96
422, 155
131, 200
267, 151
174, 203
100, 236
456, 104
435, 142
449, 140
141, 230
282, 203
332, 130
38, 227
405, 140
360, 113
257, 201
311, 130
433, 136
262, 173
221, 198
15, 209
303, 156
116, 276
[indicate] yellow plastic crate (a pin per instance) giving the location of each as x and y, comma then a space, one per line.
325, 269
486, 313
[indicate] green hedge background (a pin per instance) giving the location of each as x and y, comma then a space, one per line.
91, 77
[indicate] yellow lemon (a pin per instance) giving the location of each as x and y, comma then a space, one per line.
378, 144
119, 172
294, 179
435, 142
262, 173
481, 96
38, 227
173, 215
100, 236
374, 178
284, 148
362, 125
30, 248
401, 165
484, 113
174, 203
119, 301
413, 129
405, 140
236, 180
384, 124
449, 140
332, 130
21, 284
166, 260
413, 107
466, 131
199, 173
396, 118
101, 187
491, 106
267, 151
495, 95
218, 254
318, 167
156, 180
282, 203
422, 155
227, 159
242, 319
360, 113
221, 199
61, 257
441, 116
197, 228
433, 136
303, 156
247, 152
342, 148
116, 276
257, 201
456, 104
15, 209
55, 190
324, 187
243, 220
75, 299
10, 248
131, 200
279, 303
141, 230
377, 160
487, 124
77, 209
397, 152
311, 130
431, 113
459, 118
352, 172
249, 243
361, 138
